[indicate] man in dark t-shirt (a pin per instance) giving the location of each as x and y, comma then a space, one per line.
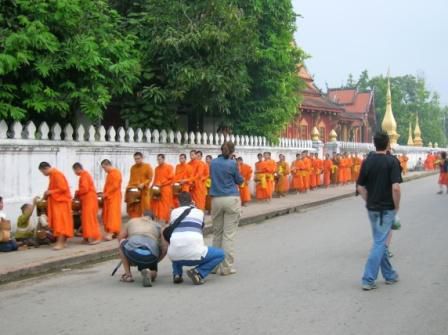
379, 185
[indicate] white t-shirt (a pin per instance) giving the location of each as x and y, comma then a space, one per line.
187, 240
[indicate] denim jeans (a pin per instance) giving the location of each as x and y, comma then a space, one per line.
204, 266
381, 223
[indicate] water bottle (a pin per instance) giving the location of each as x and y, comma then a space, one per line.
396, 225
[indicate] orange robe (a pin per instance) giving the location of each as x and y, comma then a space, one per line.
348, 173
342, 171
140, 174
246, 173
327, 168
208, 184
261, 187
184, 174
89, 207
164, 176
199, 190
271, 168
318, 168
112, 202
297, 179
356, 168
60, 218
313, 181
307, 172
282, 184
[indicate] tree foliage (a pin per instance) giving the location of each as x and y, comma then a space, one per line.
61, 56
409, 97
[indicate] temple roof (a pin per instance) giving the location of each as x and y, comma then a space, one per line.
313, 98
352, 100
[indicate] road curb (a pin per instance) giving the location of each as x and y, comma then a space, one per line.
107, 254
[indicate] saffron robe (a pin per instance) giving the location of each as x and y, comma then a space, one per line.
327, 169
198, 188
282, 182
112, 202
140, 174
261, 187
60, 218
183, 175
89, 206
164, 176
246, 173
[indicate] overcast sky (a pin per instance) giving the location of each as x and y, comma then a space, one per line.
348, 36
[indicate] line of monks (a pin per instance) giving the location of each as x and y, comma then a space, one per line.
155, 190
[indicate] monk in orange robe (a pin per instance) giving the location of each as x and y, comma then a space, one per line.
282, 180
246, 173
60, 218
86, 193
335, 170
327, 167
112, 200
261, 187
349, 166
312, 172
307, 170
183, 176
163, 179
404, 164
270, 170
296, 180
318, 169
200, 175
356, 167
342, 169
140, 178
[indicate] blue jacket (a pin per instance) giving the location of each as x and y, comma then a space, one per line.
225, 177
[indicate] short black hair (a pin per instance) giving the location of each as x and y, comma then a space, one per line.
24, 206
209, 156
1, 199
184, 198
44, 165
183, 155
260, 155
443, 154
198, 152
240, 159
297, 155
77, 165
193, 151
161, 156
106, 162
381, 140
138, 153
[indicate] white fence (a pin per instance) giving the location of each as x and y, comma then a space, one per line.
22, 148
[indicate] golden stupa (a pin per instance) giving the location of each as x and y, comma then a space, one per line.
333, 136
389, 125
418, 142
410, 140
315, 136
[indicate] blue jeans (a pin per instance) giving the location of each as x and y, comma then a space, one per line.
204, 266
378, 257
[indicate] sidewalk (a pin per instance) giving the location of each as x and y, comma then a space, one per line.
23, 264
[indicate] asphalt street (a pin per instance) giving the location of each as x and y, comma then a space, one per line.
297, 274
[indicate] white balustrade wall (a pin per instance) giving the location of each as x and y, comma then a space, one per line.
23, 147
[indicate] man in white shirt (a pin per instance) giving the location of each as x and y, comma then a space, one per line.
187, 247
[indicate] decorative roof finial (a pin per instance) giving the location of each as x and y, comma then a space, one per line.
389, 124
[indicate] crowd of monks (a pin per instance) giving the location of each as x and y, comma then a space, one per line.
154, 191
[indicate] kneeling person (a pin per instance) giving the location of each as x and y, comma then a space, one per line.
186, 245
140, 245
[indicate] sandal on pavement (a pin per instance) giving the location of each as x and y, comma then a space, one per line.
125, 278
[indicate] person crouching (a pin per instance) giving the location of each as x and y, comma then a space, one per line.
186, 243
140, 246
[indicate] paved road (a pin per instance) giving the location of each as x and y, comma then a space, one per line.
297, 274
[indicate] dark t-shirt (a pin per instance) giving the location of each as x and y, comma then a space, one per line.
378, 173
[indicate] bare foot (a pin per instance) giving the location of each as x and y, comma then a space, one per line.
108, 237
93, 242
59, 246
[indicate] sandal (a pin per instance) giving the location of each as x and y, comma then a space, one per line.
125, 278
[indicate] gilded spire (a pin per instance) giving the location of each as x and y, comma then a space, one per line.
410, 140
389, 124
418, 142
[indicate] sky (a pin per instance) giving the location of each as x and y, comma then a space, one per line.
348, 36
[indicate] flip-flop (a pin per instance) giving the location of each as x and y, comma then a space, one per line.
126, 278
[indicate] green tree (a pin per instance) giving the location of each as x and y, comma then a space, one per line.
193, 58
61, 56
273, 98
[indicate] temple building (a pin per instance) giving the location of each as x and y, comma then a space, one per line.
351, 114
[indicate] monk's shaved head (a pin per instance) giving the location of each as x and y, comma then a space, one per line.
77, 166
44, 165
138, 154
106, 162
